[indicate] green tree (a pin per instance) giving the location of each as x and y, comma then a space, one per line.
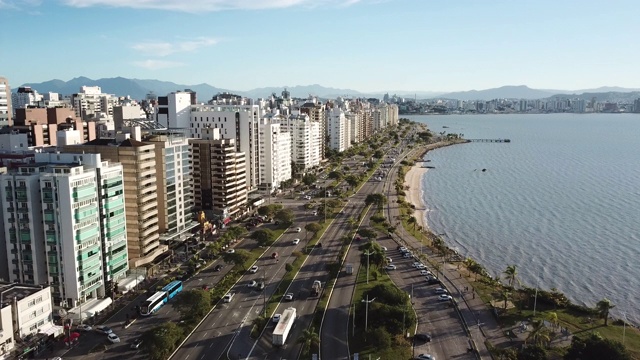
511, 274
534, 352
239, 257
595, 347
308, 179
367, 233
414, 221
285, 216
604, 306
376, 199
193, 304
505, 295
377, 257
352, 222
378, 154
336, 175
380, 337
236, 232
539, 334
352, 180
309, 339
288, 267
162, 340
313, 228
264, 237
269, 210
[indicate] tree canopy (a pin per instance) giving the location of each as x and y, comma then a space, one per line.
376, 199
162, 340
264, 237
269, 210
285, 216
309, 179
239, 257
193, 304
595, 347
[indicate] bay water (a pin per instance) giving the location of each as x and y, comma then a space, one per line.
561, 201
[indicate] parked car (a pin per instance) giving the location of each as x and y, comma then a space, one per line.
444, 297
389, 260
104, 329
254, 269
136, 343
296, 241
84, 327
422, 337
425, 357
298, 229
276, 318
252, 284
218, 267
113, 338
384, 248
231, 251
421, 267
390, 267
425, 272
416, 264
432, 281
289, 297
441, 291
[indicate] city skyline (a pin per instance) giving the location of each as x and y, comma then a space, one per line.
366, 45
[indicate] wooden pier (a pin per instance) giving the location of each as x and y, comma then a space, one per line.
491, 140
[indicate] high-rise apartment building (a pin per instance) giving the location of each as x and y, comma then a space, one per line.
138, 161
337, 129
5, 102
174, 172
64, 217
219, 175
174, 110
25, 97
90, 103
317, 113
275, 153
305, 140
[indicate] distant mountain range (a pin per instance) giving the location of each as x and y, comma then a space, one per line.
138, 89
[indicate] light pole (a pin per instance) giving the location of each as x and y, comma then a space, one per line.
366, 314
624, 327
535, 300
368, 253
353, 328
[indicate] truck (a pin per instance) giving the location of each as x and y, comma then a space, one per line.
316, 287
281, 332
349, 269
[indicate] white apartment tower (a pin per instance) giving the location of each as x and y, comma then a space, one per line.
66, 225
174, 110
25, 97
239, 122
5, 102
90, 103
305, 140
337, 129
275, 153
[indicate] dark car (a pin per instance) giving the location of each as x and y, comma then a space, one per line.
433, 281
217, 268
423, 337
136, 343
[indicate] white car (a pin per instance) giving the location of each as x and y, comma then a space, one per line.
252, 284
416, 264
421, 267
254, 269
298, 230
231, 251
113, 338
389, 260
104, 329
296, 241
425, 357
390, 267
425, 272
289, 297
276, 318
403, 249
441, 291
384, 248
84, 327
444, 297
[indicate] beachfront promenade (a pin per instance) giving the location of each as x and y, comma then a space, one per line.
477, 317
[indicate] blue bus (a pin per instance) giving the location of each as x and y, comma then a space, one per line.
153, 303
173, 288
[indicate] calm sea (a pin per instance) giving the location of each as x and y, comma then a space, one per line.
561, 201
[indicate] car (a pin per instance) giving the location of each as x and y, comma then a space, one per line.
217, 268
104, 329
425, 272
276, 318
422, 337
252, 284
84, 327
113, 338
389, 260
254, 269
231, 251
298, 230
416, 264
432, 281
384, 248
136, 343
315, 213
425, 357
444, 297
289, 297
261, 285
296, 241
421, 267
407, 255
403, 249
274, 255
441, 291
307, 197
390, 267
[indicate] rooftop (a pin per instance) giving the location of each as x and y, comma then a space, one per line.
9, 291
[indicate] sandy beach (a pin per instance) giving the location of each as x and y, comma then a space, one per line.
413, 180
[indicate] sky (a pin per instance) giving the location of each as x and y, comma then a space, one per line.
364, 45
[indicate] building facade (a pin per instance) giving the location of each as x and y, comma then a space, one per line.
275, 153
5, 103
174, 110
305, 140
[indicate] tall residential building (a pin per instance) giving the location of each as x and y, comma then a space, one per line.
5, 102
275, 153
138, 161
219, 175
25, 97
174, 110
89, 103
305, 140
42, 124
174, 172
316, 112
238, 122
65, 225
337, 129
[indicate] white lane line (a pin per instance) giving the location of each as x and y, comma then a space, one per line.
205, 335
210, 345
186, 357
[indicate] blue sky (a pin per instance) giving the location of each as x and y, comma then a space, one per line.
365, 45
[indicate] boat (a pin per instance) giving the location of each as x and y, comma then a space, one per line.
445, 127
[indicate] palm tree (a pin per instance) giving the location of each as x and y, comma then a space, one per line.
505, 295
604, 306
553, 318
309, 339
539, 334
511, 274
414, 221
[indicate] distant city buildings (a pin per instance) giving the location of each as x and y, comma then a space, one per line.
5, 102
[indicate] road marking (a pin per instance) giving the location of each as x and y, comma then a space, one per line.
205, 335
186, 357
211, 345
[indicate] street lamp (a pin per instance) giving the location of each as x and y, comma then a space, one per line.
368, 253
366, 315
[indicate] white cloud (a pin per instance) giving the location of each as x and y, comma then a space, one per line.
194, 6
157, 64
167, 48
19, 4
